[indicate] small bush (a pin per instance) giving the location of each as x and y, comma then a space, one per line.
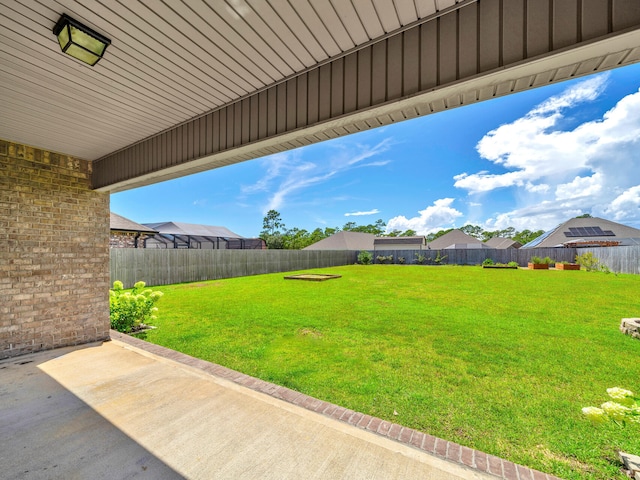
421, 259
402, 260
591, 263
365, 257
129, 310
384, 259
488, 261
440, 259
513, 264
547, 261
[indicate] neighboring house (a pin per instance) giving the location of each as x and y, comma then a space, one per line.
345, 240
128, 234
587, 232
189, 235
502, 243
455, 239
400, 243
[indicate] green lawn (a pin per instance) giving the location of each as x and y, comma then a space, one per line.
497, 360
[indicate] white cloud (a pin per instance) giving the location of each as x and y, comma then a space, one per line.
589, 168
289, 173
359, 214
625, 206
580, 187
433, 218
530, 147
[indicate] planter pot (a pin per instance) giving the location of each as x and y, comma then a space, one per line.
567, 266
538, 266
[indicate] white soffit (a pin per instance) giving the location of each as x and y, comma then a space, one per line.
169, 61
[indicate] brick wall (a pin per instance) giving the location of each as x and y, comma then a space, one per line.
54, 252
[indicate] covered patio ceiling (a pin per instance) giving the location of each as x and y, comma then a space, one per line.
173, 65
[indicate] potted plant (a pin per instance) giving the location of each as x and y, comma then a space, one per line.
538, 263
567, 266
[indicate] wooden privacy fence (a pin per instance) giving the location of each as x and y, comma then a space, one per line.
475, 256
164, 267
618, 259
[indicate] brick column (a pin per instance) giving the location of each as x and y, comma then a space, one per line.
54, 252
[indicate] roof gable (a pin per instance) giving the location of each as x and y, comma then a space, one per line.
345, 240
584, 231
502, 243
416, 240
192, 229
122, 224
452, 238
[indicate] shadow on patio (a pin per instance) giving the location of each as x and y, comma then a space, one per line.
115, 410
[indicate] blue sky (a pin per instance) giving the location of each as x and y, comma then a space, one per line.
530, 160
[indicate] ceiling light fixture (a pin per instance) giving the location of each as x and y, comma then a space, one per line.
80, 41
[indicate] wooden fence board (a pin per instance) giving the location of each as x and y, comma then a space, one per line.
168, 266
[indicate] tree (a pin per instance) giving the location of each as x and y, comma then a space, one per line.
349, 226
271, 225
377, 228
584, 215
508, 232
473, 231
432, 236
525, 236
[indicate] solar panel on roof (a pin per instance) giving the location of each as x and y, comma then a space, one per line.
588, 232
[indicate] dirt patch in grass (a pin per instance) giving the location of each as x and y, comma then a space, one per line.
574, 463
310, 332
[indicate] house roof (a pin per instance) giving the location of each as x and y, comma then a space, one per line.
345, 241
122, 224
592, 231
454, 237
466, 246
399, 240
191, 229
502, 243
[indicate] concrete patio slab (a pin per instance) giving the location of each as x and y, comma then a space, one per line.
113, 410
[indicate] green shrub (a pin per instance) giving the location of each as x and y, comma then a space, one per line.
365, 257
488, 261
384, 259
547, 261
130, 309
421, 259
536, 260
591, 263
440, 259
402, 260
513, 264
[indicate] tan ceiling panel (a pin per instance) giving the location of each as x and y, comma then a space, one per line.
369, 18
265, 11
386, 12
406, 11
317, 28
350, 17
331, 20
188, 85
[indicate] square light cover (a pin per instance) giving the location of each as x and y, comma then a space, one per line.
80, 41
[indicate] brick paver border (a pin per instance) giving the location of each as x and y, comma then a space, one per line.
450, 451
